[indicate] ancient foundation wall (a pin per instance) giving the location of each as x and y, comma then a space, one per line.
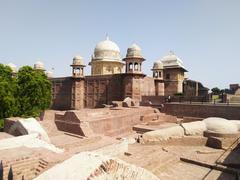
202, 110
24, 166
112, 123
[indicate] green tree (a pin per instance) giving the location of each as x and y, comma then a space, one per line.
34, 91
8, 90
216, 91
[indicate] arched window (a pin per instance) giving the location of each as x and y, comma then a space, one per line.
136, 66
159, 74
130, 66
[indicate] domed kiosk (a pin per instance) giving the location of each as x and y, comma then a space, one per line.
106, 58
13, 67
39, 66
134, 59
158, 69
158, 77
77, 66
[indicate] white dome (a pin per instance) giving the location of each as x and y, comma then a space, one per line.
49, 74
107, 45
39, 65
171, 57
77, 60
134, 51
158, 65
13, 67
106, 51
172, 60
135, 47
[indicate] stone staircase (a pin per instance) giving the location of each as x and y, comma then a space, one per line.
26, 166
42, 166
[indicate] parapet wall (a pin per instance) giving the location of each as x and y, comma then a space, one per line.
202, 110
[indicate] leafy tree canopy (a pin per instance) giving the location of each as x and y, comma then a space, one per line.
8, 89
216, 91
34, 91
26, 94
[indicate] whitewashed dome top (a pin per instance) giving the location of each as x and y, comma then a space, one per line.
77, 60
13, 67
107, 45
49, 74
158, 65
106, 50
39, 65
134, 51
172, 60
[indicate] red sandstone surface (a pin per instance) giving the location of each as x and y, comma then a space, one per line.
104, 127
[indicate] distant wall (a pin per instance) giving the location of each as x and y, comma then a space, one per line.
202, 110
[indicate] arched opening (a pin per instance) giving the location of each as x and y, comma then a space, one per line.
135, 66
130, 66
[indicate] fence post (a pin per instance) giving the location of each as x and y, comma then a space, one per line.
1, 171
10, 174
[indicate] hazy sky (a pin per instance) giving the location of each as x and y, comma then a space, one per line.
205, 34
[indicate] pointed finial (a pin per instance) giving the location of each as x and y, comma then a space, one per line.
107, 38
171, 52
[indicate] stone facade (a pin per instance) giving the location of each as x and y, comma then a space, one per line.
109, 82
94, 91
173, 79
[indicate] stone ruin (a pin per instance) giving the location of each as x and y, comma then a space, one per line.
102, 143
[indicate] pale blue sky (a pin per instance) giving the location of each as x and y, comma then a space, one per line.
205, 34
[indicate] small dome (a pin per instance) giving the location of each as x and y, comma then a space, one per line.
13, 67
107, 45
158, 65
77, 60
171, 57
39, 65
49, 74
134, 51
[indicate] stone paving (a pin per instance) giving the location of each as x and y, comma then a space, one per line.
164, 161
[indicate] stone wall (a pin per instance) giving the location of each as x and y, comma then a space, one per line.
203, 110
94, 91
173, 79
61, 93
102, 90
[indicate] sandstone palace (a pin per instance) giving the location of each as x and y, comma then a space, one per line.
114, 79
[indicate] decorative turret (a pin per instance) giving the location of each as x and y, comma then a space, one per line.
134, 59
39, 66
49, 74
158, 70
77, 67
13, 67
